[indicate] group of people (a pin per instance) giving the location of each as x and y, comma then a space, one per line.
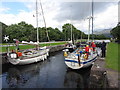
93, 46
87, 48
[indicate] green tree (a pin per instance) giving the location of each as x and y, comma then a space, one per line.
76, 34
116, 32
21, 31
55, 34
66, 29
42, 34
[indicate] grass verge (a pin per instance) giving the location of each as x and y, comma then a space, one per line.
112, 56
4, 49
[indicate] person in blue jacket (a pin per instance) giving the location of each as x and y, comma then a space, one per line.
103, 48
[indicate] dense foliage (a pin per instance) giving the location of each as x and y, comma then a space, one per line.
26, 32
67, 32
116, 32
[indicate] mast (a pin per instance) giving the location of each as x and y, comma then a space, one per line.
71, 32
71, 26
89, 29
92, 21
37, 21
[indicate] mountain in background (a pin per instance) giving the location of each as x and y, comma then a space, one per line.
105, 32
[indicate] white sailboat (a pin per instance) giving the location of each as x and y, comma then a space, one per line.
32, 55
78, 59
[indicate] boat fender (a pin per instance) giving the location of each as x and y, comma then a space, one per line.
47, 54
43, 57
40, 57
13, 55
85, 56
36, 60
19, 54
65, 54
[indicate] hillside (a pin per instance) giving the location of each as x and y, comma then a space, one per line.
105, 32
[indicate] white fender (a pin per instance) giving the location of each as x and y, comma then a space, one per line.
36, 60
43, 57
40, 57
47, 54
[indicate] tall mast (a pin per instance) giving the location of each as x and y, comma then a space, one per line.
92, 21
37, 21
89, 29
71, 32
71, 25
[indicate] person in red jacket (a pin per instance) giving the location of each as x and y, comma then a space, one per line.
93, 46
87, 51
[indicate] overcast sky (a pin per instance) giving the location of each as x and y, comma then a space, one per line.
57, 13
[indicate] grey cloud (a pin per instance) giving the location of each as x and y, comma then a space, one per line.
79, 10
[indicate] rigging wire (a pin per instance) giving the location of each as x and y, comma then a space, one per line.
44, 20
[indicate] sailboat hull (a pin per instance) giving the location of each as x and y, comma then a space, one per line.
29, 60
75, 64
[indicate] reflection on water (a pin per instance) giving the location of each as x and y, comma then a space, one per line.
19, 76
77, 78
51, 73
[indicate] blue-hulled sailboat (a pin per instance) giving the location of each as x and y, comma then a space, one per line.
78, 58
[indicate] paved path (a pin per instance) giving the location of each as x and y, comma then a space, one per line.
112, 75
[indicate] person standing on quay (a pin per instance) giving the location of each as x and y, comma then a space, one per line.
103, 48
93, 46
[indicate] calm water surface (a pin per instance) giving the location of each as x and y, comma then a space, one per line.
52, 73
